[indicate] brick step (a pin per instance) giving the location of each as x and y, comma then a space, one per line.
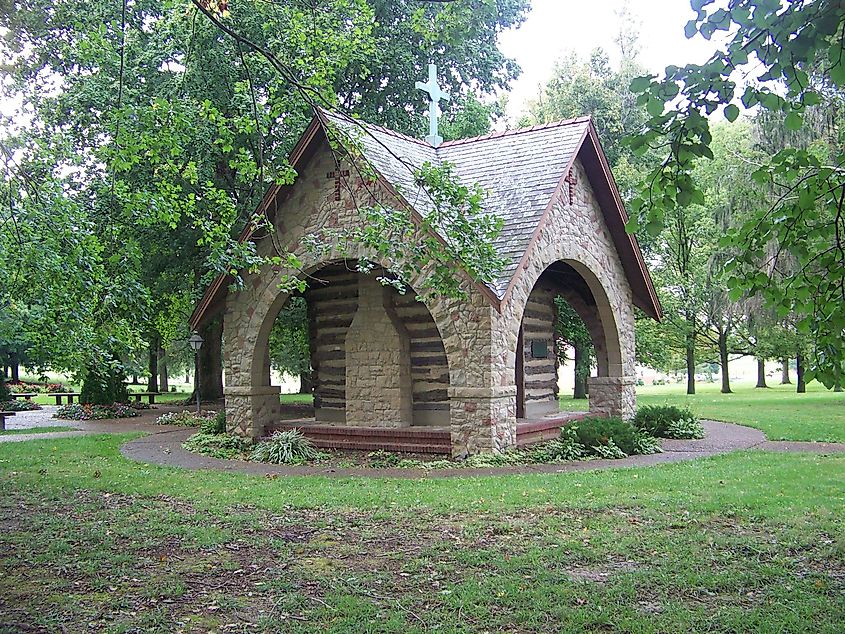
413, 433
376, 445
529, 433
415, 440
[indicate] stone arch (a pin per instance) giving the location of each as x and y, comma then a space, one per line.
601, 297
255, 309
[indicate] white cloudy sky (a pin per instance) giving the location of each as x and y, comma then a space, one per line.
555, 27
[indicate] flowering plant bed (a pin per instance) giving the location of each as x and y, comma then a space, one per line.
85, 411
16, 405
24, 387
186, 418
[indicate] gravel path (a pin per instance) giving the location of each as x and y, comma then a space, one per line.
162, 445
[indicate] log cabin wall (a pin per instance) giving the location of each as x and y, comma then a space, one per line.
332, 302
538, 336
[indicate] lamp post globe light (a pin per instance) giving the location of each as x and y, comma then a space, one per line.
196, 344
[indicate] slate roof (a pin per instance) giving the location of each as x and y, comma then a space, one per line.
519, 170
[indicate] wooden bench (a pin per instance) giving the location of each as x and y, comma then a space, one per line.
3, 416
27, 395
60, 395
151, 396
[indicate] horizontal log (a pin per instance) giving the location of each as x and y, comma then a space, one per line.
431, 407
540, 385
429, 346
429, 361
338, 321
431, 396
329, 355
331, 393
423, 333
532, 370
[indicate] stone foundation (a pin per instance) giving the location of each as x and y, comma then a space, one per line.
613, 396
250, 409
483, 420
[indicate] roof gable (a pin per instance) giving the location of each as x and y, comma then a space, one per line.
521, 171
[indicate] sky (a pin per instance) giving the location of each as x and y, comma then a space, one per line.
555, 27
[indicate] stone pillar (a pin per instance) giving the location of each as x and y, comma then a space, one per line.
379, 391
613, 396
250, 409
483, 419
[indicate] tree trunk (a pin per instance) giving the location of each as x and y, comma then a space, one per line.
187, 378
761, 373
723, 361
152, 366
690, 365
14, 365
799, 371
210, 362
134, 379
163, 383
837, 386
784, 373
581, 373
305, 385
5, 371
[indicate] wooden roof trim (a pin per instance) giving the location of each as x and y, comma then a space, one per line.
650, 303
222, 281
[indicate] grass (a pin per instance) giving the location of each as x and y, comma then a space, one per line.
745, 542
751, 541
36, 430
777, 411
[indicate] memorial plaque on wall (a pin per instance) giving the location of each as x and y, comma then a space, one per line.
540, 349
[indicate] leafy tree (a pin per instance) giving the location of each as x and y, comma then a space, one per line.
572, 332
155, 130
289, 343
789, 56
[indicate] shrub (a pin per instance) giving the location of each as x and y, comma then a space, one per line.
5, 394
104, 383
86, 411
15, 405
286, 447
185, 418
609, 437
223, 446
563, 449
216, 425
685, 429
55, 387
668, 421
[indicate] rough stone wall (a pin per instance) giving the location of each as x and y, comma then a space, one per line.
378, 365
540, 373
576, 234
465, 326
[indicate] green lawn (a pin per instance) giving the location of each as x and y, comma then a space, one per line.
748, 542
778, 411
35, 430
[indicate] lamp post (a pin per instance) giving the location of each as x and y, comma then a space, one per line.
196, 344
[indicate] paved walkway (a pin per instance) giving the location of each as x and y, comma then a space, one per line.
162, 445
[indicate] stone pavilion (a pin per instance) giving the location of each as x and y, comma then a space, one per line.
463, 375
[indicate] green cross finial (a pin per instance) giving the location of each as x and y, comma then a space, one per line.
435, 94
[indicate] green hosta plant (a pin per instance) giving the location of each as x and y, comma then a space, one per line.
286, 447
609, 438
668, 421
222, 446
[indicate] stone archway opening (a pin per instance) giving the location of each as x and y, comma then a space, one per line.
375, 356
537, 361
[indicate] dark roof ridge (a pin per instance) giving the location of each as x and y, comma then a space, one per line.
373, 126
503, 133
